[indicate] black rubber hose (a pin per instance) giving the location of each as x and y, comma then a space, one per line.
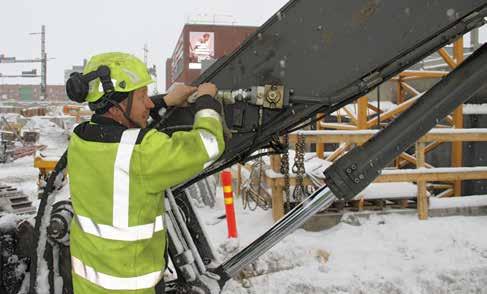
60, 166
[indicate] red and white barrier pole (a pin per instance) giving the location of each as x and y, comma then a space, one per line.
226, 177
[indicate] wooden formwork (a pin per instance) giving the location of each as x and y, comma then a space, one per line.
421, 176
356, 131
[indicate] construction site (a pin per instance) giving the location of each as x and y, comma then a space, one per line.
355, 155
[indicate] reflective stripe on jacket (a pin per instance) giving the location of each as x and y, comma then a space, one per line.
117, 180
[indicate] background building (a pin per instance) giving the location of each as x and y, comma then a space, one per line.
199, 46
28, 93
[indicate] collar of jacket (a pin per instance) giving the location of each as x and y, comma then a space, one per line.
103, 129
103, 120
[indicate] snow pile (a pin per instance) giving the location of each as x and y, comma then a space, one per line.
388, 190
8, 222
475, 109
453, 202
55, 110
382, 254
385, 254
39, 123
11, 117
20, 174
51, 134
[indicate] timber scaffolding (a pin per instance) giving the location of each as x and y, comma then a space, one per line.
355, 129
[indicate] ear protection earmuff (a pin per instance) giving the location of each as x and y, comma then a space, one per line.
77, 86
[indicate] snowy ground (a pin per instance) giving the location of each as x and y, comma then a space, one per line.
21, 173
382, 254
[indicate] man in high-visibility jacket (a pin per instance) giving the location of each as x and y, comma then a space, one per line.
119, 170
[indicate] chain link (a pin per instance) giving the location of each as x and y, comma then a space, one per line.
253, 195
299, 192
285, 171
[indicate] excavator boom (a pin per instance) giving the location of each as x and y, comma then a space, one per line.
315, 56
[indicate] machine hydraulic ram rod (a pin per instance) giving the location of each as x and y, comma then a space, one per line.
370, 158
357, 169
320, 199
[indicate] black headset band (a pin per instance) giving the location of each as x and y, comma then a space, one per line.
77, 86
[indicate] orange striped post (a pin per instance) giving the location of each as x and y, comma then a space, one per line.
226, 176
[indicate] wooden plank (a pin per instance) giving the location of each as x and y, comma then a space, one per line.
393, 112
320, 147
277, 202
338, 152
446, 193
362, 104
350, 115
422, 201
412, 159
433, 186
408, 79
432, 146
360, 136
276, 163
423, 73
447, 58
400, 91
422, 197
457, 147
373, 108
337, 126
403, 175
409, 88
433, 175
333, 137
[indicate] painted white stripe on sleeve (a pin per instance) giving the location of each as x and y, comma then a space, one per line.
134, 233
112, 282
121, 178
208, 112
211, 144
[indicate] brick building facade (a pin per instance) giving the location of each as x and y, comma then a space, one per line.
200, 45
32, 92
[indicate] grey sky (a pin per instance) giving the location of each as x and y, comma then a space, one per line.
79, 29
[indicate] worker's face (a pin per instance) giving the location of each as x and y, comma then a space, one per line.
141, 107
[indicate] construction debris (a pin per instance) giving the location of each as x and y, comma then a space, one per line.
10, 140
14, 201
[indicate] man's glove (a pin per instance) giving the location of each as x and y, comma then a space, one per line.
177, 96
159, 106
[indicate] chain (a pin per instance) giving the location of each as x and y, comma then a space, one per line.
298, 168
285, 171
253, 195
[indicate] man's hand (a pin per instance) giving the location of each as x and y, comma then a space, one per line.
207, 89
179, 95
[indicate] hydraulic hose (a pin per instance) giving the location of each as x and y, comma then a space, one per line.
43, 207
